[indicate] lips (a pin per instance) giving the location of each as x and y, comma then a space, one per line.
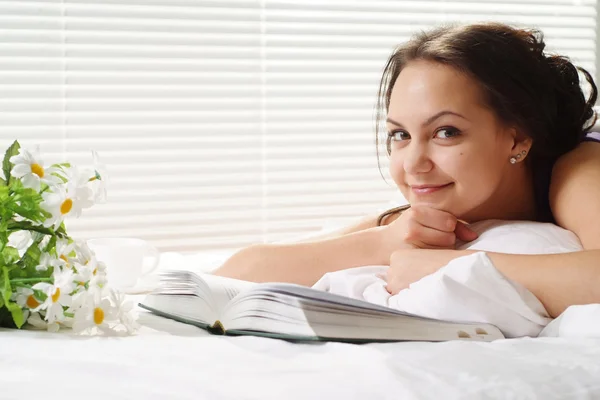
427, 189
427, 186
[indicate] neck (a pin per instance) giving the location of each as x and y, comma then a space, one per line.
514, 200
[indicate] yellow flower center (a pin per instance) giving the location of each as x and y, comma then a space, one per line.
66, 206
98, 315
95, 271
38, 170
56, 295
32, 302
64, 258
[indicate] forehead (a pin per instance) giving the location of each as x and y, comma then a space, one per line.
425, 84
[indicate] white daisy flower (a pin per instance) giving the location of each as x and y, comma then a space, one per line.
29, 167
95, 316
65, 200
59, 295
85, 255
83, 276
100, 271
20, 240
48, 260
79, 183
97, 179
96, 290
125, 312
63, 251
97, 286
37, 321
25, 298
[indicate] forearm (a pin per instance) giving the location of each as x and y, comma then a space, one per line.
557, 280
304, 263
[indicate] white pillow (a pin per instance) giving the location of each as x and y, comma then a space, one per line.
521, 237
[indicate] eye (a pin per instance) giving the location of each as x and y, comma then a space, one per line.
398, 136
446, 133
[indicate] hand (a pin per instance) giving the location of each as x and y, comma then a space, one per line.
424, 227
410, 265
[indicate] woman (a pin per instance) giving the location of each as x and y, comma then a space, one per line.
481, 124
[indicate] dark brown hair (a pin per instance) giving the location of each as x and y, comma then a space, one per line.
538, 93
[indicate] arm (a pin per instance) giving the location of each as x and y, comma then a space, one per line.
557, 280
365, 223
306, 262
575, 193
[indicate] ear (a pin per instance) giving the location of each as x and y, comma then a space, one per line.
520, 141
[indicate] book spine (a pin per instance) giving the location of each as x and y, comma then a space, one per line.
217, 328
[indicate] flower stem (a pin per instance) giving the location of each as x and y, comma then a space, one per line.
21, 280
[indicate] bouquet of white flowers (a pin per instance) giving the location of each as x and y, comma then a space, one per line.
47, 279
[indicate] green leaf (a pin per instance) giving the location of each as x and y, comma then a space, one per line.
61, 232
30, 260
24, 201
51, 245
28, 226
17, 314
13, 150
5, 290
2, 182
40, 295
4, 193
9, 256
62, 165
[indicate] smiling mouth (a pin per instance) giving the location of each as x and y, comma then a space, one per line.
421, 190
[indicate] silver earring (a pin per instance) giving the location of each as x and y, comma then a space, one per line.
514, 159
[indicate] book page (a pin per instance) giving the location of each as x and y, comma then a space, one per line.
326, 299
223, 289
296, 311
214, 291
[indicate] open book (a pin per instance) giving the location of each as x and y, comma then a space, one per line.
293, 312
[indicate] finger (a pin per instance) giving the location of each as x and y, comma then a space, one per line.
425, 237
433, 218
464, 233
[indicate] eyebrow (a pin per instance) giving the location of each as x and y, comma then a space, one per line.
430, 119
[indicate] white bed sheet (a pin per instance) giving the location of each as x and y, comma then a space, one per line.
169, 360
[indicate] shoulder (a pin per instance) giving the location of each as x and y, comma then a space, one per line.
575, 193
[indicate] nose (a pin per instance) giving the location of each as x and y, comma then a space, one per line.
416, 158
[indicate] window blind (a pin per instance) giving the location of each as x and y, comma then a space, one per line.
225, 123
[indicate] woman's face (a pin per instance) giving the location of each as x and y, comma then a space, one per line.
447, 149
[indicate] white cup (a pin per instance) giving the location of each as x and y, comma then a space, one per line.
127, 259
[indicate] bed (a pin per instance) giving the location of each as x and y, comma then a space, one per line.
170, 360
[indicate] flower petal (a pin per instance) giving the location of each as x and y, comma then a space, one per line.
20, 170
32, 181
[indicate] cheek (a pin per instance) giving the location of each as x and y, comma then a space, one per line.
396, 169
477, 177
